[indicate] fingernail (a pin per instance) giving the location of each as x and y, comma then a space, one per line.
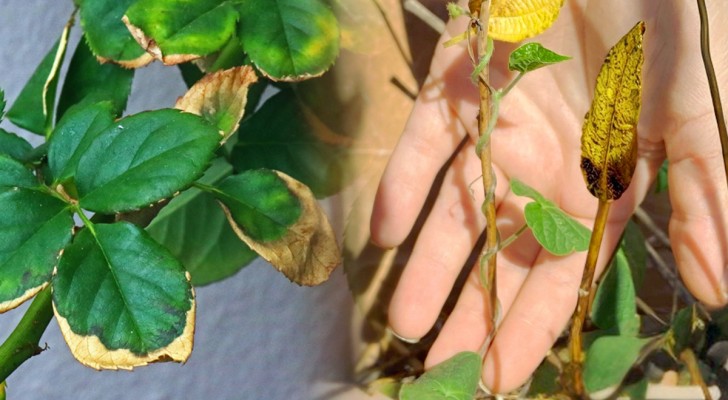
404, 339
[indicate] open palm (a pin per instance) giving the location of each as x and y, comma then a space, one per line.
537, 141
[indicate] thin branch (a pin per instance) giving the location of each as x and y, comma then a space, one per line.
713, 83
650, 224
427, 16
669, 275
22, 344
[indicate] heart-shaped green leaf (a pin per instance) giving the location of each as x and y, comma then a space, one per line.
609, 359
34, 227
107, 36
557, 232
14, 146
194, 229
89, 81
176, 31
72, 136
279, 218
144, 158
279, 136
122, 300
454, 379
289, 40
14, 174
531, 56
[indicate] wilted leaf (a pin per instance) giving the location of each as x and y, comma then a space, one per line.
615, 301
175, 31
289, 40
220, 98
72, 136
34, 227
108, 37
533, 56
122, 300
515, 20
557, 232
609, 359
280, 136
609, 138
89, 81
194, 229
454, 379
14, 146
144, 158
279, 218
14, 174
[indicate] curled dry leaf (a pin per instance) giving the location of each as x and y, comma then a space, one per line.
308, 252
220, 98
609, 133
515, 20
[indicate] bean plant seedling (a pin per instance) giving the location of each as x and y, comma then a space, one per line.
109, 223
609, 342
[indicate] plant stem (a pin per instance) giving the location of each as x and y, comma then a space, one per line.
491, 241
22, 344
582, 307
425, 15
688, 357
713, 83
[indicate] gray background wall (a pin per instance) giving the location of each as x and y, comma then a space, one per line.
258, 336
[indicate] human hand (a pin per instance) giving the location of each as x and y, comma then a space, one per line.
537, 140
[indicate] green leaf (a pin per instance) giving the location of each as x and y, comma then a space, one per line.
122, 300
2, 104
142, 159
175, 31
13, 173
661, 184
14, 146
633, 246
557, 232
454, 379
27, 110
260, 203
73, 135
687, 329
194, 229
636, 390
545, 381
34, 228
279, 218
531, 56
279, 136
615, 301
289, 40
89, 81
107, 36
609, 359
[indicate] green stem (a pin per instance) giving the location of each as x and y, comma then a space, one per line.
713, 83
22, 344
513, 237
501, 94
582, 307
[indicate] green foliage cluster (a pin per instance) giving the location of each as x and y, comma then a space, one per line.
120, 214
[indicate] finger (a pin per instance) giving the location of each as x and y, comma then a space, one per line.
538, 315
462, 330
443, 246
432, 134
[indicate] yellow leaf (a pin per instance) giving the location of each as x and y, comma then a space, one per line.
515, 20
609, 133
220, 98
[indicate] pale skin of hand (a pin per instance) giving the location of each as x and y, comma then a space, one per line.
537, 140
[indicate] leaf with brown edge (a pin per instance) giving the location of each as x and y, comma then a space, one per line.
609, 133
220, 98
515, 20
278, 217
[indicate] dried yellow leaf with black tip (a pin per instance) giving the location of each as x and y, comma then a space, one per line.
609, 133
515, 20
